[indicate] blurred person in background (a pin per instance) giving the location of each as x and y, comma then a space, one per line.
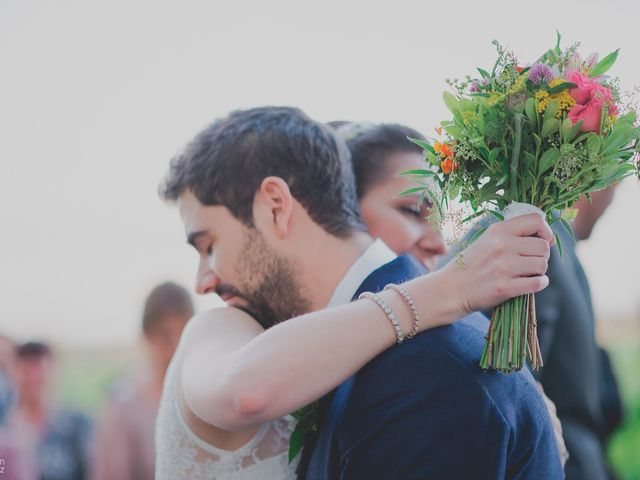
7, 389
41, 439
125, 443
577, 374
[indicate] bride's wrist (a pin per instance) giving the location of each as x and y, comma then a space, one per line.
436, 298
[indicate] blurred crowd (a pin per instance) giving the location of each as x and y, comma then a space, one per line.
42, 439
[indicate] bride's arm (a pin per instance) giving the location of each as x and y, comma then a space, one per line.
234, 376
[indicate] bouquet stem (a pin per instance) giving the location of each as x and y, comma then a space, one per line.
512, 337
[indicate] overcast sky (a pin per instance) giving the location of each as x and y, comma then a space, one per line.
95, 98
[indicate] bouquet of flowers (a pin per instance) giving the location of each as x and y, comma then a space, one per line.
529, 139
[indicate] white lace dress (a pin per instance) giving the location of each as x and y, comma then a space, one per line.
181, 455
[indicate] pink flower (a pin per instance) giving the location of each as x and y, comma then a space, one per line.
590, 97
589, 114
582, 93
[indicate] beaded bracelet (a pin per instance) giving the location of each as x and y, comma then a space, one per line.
411, 304
388, 312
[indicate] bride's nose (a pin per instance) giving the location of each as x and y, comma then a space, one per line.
429, 248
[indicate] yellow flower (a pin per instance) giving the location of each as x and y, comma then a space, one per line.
518, 85
494, 98
564, 99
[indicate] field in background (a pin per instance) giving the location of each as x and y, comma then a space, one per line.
85, 376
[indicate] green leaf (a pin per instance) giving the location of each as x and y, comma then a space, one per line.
549, 127
536, 138
566, 128
480, 94
557, 49
296, 442
493, 155
499, 216
594, 143
450, 101
477, 234
629, 117
531, 161
472, 216
548, 160
574, 130
530, 110
503, 179
563, 86
484, 73
605, 64
418, 173
551, 110
568, 228
410, 191
466, 105
432, 158
559, 244
454, 131
422, 144
619, 136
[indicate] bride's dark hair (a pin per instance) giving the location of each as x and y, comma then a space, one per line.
371, 146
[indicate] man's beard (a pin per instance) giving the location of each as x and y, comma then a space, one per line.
267, 281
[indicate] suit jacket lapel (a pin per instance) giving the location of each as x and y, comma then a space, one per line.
320, 458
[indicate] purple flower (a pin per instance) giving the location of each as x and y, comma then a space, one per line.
540, 73
476, 84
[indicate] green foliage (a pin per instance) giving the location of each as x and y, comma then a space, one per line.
605, 64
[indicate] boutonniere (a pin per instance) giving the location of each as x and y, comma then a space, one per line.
306, 419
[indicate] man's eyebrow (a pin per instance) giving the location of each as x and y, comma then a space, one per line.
192, 237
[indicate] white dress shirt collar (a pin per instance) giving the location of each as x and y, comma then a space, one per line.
374, 257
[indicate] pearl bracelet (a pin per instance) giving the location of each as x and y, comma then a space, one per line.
388, 312
410, 303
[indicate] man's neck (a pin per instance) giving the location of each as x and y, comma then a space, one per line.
324, 270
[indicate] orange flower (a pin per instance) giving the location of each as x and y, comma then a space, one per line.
437, 147
447, 165
446, 151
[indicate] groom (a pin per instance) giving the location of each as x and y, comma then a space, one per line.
284, 236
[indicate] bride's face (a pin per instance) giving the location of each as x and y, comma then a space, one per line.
236, 262
401, 222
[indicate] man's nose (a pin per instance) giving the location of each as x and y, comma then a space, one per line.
206, 281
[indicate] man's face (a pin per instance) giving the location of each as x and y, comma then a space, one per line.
236, 263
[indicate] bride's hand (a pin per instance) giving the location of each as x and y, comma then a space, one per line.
509, 259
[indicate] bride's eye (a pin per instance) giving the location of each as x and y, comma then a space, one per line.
411, 211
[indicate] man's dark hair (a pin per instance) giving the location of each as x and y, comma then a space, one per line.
227, 161
371, 149
33, 350
167, 299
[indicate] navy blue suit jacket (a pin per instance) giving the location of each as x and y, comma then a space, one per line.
425, 410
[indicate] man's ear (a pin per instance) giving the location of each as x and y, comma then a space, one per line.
275, 202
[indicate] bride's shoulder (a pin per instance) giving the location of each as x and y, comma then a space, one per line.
222, 320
